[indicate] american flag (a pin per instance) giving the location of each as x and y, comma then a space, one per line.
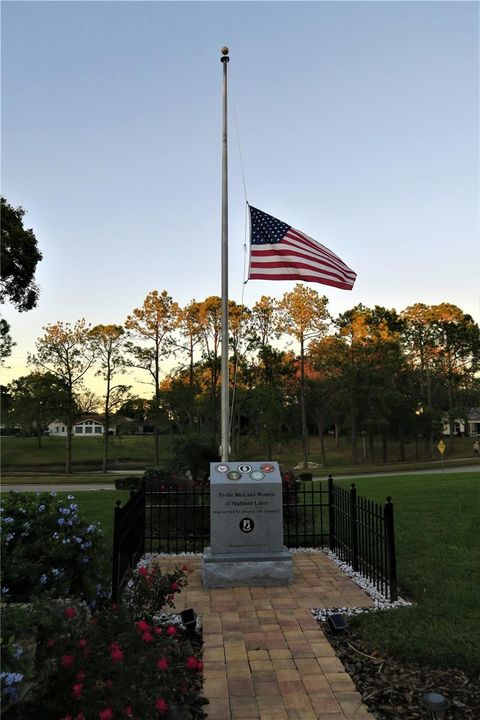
279, 252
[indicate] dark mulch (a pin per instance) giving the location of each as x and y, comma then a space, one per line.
392, 690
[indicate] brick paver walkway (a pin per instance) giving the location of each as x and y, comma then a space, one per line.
265, 655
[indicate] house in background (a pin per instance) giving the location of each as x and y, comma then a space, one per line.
87, 426
473, 424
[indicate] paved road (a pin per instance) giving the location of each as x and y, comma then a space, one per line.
104, 486
446, 470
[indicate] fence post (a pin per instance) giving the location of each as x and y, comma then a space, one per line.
115, 562
331, 514
353, 526
142, 493
131, 529
390, 535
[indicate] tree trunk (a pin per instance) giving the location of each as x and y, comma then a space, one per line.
384, 448
322, 443
371, 448
68, 458
402, 445
353, 438
302, 405
39, 438
105, 444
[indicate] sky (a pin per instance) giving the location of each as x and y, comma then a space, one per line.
355, 122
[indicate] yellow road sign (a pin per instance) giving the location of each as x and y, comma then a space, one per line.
441, 446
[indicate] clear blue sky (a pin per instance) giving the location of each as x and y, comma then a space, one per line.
358, 124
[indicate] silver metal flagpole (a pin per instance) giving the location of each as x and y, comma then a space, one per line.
225, 433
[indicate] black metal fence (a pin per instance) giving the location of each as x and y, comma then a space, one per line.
176, 519
128, 538
362, 534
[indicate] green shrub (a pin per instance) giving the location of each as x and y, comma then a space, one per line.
191, 455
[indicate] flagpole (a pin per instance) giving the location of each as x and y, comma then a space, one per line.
225, 434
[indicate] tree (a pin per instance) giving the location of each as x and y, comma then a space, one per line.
19, 258
151, 326
6, 342
66, 351
211, 318
263, 323
108, 344
443, 343
88, 403
304, 316
37, 399
370, 359
190, 327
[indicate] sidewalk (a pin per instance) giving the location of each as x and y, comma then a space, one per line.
265, 656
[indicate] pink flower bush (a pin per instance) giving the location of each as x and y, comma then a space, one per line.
122, 666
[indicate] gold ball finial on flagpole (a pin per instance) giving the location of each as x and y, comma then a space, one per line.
225, 57
225, 50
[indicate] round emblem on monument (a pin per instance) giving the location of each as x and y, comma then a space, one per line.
234, 475
266, 467
222, 468
257, 475
244, 468
246, 525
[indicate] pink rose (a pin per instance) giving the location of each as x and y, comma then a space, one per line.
70, 613
143, 626
172, 630
116, 654
106, 714
67, 660
162, 664
161, 705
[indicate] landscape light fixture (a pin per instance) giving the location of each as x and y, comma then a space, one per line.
336, 623
436, 704
189, 619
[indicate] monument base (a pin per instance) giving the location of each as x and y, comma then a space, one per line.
238, 570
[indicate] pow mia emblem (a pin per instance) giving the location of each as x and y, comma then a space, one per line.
246, 525
244, 468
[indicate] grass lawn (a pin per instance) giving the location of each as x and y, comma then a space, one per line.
437, 538
40, 478
21, 454
98, 506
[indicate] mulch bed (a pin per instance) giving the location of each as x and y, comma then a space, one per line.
392, 690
